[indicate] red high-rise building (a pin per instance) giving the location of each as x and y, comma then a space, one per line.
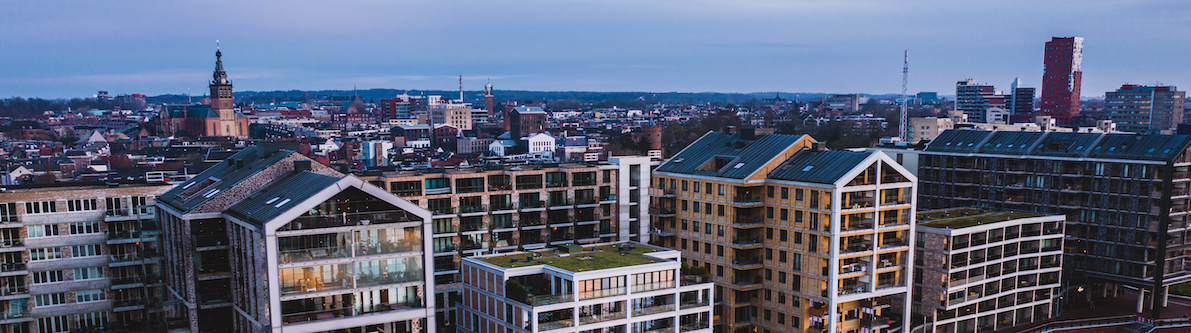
1061, 78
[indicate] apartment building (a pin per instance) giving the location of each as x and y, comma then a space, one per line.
1125, 196
795, 237
506, 208
606, 288
1144, 109
981, 270
79, 257
270, 240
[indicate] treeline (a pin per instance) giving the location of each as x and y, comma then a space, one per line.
18, 107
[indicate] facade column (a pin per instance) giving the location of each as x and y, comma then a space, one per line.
1165, 295
1141, 298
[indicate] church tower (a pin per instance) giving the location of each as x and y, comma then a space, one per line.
221, 100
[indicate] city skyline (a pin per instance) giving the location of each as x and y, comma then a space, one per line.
838, 47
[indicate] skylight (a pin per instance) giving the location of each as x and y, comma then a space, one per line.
282, 203
807, 168
272, 200
738, 165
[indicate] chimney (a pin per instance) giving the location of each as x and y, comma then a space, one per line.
819, 146
301, 165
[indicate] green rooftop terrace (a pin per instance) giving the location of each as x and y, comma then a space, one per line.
957, 218
579, 259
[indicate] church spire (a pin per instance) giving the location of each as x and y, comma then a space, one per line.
220, 76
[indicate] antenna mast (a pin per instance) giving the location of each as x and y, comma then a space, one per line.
902, 126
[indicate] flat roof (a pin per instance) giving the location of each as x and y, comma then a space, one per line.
957, 218
589, 258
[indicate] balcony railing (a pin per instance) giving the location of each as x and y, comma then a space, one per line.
746, 241
473, 209
694, 303
856, 288
540, 300
601, 293
13, 267
584, 320
553, 325
643, 287
11, 243
349, 220
321, 253
210, 240
653, 309
126, 257
747, 201
748, 221
443, 210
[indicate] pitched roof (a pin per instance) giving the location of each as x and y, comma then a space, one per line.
280, 196
821, 167
741, 158
219, 177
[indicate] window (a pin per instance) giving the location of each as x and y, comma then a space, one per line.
47, 277
797, 237
707, 248
93, 319
41, 207
49, 299
720, 231
796, 263
768, 274
48, 230
798, 196
684, 189
781, 256
722, 189
93, 295
696, 189
707, 228
719, 250
768, 254
781, 277
696, 207
769, 212
443, 225
769, 192
88, 274
684, 205
785, 193
52, 325
8, 212
798, 216
781, 298
435, 183
707, 208
783, 235
720, 210
81, 204
768, 233
86, 250
115, 206
785, 214
45, 253
79, 228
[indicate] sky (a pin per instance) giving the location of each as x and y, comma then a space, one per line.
63, 49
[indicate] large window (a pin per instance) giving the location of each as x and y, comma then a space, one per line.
48, 230
52, 325
469, 185
81, 204
596, 288
556, 179
406, 189
45, 253
8, 212
653, 281
79, 228
47, 277
49, 299
88, 273
94, 295
86, 250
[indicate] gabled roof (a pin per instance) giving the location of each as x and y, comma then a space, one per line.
820, 167
742, 157
280, 196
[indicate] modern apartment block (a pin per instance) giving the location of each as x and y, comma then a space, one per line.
607, 288
1125, 196
1061, 78
975, 99
1021, 100
1144, 109
498, 209
271, 241
796, 237
982, 270
80, 257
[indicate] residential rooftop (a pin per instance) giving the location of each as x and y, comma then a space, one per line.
479, 169
578, 259
958, 218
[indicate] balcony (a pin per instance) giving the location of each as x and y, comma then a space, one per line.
501, 206
596, 318
643, 287
201, 241
663, 193
443, 210
853, 268
857, 224
126, 257
694, 326
856, 247
127, 234
746, 261
557, 324
321, 253
853, 288
653, 309
440, 190
694, 303
889, 243
214, 299
15, 314
746, 242
601, 293
661, 211
586, 201
13, 267
473, 209
7, 243
874, 322
748, 221
349, 220
540, 300
747, 201
663, 232
609, 197
560, 203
